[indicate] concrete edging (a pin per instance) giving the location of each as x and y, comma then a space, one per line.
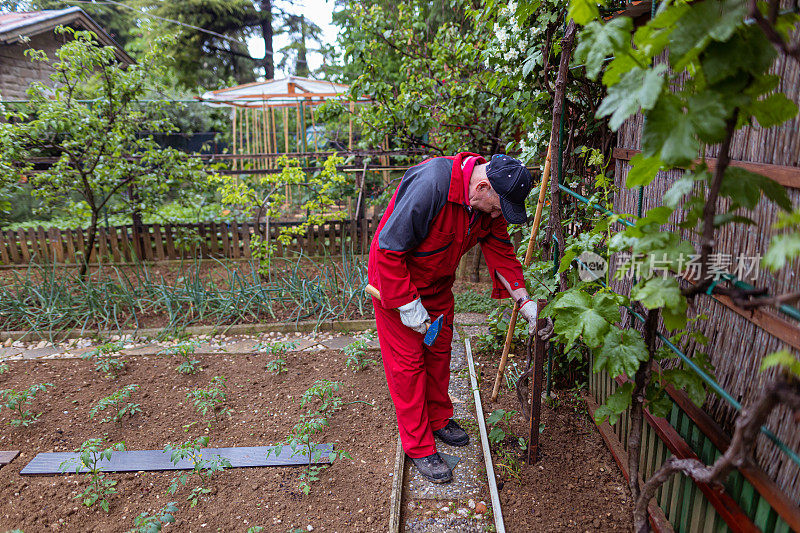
343, 326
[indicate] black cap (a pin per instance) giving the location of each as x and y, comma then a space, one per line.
512, 182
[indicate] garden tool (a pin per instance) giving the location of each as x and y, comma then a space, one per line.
433, 330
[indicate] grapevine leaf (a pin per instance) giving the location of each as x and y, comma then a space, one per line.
615, 405
582, 11
658, 401
679, 189
599, 40
782, 249
577, 314
637, 89
659, 292
643, 170
782, 358
745, 188
689, 381
708, 115
706, 21
669, 133
773, 110
621, 352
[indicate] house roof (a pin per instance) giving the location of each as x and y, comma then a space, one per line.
284, 91
16, 25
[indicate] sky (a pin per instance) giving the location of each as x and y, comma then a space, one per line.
320, 12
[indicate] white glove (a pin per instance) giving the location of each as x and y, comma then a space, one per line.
529, 311
414, 316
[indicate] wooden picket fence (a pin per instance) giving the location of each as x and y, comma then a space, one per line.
157, 242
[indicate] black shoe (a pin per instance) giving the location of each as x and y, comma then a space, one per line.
433, 468
452, 434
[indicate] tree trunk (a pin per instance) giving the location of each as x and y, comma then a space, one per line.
301, 66
266, 32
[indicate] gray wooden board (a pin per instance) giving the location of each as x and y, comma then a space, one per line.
7, 456
134, 461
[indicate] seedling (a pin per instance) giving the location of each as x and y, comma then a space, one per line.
116, 401
106, 358
186, 351
300, 441
275, 348
17, 401
323, 391
276, 366
91, 453
497, 419
212, 398
3, 368
204, 469
356, 352
146, 523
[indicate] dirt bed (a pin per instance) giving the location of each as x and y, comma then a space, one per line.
575, 486
352, 495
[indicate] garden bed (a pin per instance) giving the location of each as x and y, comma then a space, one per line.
351, 495
574, 486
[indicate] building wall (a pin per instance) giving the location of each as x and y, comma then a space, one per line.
17, 71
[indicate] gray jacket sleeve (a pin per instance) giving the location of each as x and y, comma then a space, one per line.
421, 195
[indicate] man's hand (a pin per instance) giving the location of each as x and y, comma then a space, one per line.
414, 316
529, 311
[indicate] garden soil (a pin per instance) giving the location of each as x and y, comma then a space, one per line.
352, 495
575, 486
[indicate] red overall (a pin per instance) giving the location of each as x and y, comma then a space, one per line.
418, 376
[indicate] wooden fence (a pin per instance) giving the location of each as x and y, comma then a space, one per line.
156, 242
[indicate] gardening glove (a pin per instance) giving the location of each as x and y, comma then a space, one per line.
529, 311
414, 316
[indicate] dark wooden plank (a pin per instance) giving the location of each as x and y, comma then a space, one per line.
7, 456
147, 242
23, 245
725, 506
539, 348
224, 229
69, 244
44, 248
169, 231
157, 460
785, 175
213, 240
235, 250
57, 244
757, 477
126, 244
5, 257
102, 246
246, 229
79, 246
159, 242
769, 322
658, 519
13, 246
113, 243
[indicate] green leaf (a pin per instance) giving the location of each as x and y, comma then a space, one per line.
669, 133
577, 314
660, 292
615, 405
708, 115
582, 11
679, 189
782, 249
688, 381
782, 358
773, 110
619, 66
753, 52
710, 20
621, 352
599, 40
658, 401
637, 89
643, 170
745, 188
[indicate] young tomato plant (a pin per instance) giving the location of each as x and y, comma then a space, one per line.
116, 401
279, 350
17, 400
356, 352
152, 523
300, 440
3, 368
107, 358
203, 469
323, 391
497, 420
211, 399
91, 454
185, 350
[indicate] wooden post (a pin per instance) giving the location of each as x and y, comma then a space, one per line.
297, 141
286, 130
267, 143
314, 127
350, 127
233, 136
537, 220
539, 348
274, 130
385, 160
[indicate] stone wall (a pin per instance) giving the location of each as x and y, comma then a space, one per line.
17, 71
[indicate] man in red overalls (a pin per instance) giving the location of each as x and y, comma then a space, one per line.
441, 209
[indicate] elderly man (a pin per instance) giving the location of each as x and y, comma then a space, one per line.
441, 209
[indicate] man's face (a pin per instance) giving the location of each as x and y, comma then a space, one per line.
485, 199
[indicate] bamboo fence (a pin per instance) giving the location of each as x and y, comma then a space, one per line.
739, 339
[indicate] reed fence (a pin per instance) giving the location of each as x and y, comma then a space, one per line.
162, 242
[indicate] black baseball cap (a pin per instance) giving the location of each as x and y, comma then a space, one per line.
512, 182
